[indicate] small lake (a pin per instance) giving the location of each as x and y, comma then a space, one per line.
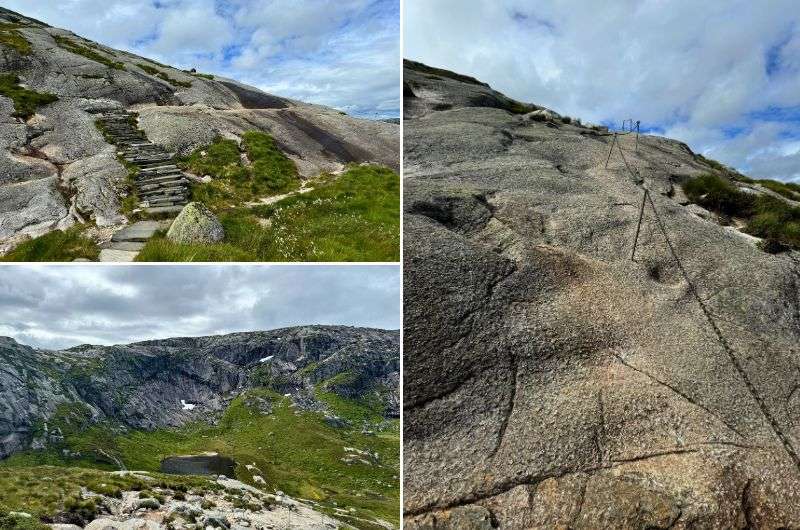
205, 464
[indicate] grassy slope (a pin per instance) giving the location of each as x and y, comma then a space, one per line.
270, 171
297, 452
355, 217
55, 246
44, 490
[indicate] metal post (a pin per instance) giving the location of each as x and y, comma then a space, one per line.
637, 135
613, 141
639, 224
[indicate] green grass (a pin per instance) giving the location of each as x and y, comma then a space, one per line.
296, 452
772, 219
25, 101
719, 195
162, 75
45, 490
269, 172
789, 190
74, 47
57, 245
355, 217
11, 38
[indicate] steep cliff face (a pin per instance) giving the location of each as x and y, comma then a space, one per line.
550, 379
169, 383
53, 159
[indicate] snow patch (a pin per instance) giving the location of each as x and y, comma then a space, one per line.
266, 359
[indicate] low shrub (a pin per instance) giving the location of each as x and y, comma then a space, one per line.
83, 509
772, 219
718, 194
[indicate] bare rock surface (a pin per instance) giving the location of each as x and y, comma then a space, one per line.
182, 112
551, 381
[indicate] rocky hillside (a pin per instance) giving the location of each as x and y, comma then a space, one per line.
172, 382
311, 411
552, 380
56, 166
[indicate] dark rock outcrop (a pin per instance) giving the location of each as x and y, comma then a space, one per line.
551, 381
167, 383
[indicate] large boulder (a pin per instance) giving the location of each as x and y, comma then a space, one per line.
196, 224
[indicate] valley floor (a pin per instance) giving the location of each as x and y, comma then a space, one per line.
291, 463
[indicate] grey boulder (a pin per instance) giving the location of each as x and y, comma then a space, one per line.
196, 224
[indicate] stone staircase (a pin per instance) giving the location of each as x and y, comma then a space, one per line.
160, 185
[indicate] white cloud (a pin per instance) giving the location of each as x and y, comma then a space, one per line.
341, 53
59, 306
693, 68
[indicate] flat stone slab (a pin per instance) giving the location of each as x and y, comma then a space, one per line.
109, 255
137, 232
128, 246
164, 209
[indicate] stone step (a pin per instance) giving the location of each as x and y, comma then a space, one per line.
151, 165
178, 177
160, 200
158, 171
128, 246
163, 180
145, 159
154, 189
143, 145
172, 194
137, 232
163, 209
149, 188
161, 174
117, 256
144, 154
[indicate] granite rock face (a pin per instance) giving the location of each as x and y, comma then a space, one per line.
551, 381
58, 158
147, 385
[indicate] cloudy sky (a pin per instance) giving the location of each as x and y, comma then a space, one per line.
62, 306
723, 76
342, 53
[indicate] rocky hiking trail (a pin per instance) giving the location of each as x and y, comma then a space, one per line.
160, 184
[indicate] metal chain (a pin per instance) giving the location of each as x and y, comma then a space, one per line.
776, 428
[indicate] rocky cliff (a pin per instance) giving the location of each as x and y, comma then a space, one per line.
170, 383
56, 166
552, 381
